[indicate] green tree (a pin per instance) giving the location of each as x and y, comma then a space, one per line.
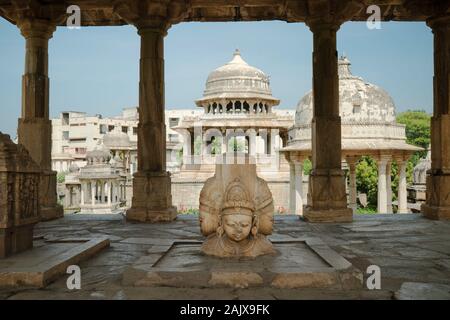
307, 167
235, 145
367, 179
417, 124
61, 177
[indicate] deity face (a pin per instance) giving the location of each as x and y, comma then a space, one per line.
237, 226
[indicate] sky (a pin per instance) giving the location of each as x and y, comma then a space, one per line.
96, 69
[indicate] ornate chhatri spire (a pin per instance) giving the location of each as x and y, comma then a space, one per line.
237, 59
344, 67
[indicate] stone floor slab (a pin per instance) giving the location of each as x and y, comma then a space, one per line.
47, 261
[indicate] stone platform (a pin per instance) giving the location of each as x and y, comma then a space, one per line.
298, 263
413, 254
47, 261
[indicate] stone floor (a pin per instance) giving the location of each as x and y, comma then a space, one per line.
412, 252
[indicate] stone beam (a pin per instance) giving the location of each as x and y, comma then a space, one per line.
102, 13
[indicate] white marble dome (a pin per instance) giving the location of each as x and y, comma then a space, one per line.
100, 155
116, 140
237, 79
359, 101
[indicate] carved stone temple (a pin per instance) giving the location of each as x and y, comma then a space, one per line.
236, 211
19, 197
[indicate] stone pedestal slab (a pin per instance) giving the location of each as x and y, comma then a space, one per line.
298, 263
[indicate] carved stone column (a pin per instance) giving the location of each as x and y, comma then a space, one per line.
224, 147
437, 204
34, 127
327, 200
82, 191
152, 199
382, 188
389, 187
93, 192
298, 187
292, 198
352, 161
402, 195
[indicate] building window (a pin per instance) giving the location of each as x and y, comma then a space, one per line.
124, 129
173, 137
102, 129
110, 128
65, 118
65, 135
356, 108
135, 130
173, 122
78, 140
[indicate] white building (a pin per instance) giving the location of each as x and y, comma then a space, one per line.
76, 133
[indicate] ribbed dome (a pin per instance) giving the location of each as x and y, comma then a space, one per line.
116, 140
359, 101
237, 79
100, 155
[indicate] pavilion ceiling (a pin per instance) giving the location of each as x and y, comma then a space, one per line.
104, 12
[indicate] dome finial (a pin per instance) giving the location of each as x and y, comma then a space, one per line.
237, 59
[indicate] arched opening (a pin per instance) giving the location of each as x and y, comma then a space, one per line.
229, 107
246, 107
238, 107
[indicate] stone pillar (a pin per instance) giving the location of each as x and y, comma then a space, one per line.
352, 202
327, 200
83, 187
93, 192
152, 199
389, 187
298, 187
186, 147
273, 141
402, 193
382, 186
34, 127
437, 205
224, 147
292, 197
108, 187
204, 144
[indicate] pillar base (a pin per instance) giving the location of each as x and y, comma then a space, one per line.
16, 239
327, 199
437, 206
330, 215
152, 199
152, 216
51, 213
49, 208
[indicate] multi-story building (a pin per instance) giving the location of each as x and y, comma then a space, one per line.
76, 133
